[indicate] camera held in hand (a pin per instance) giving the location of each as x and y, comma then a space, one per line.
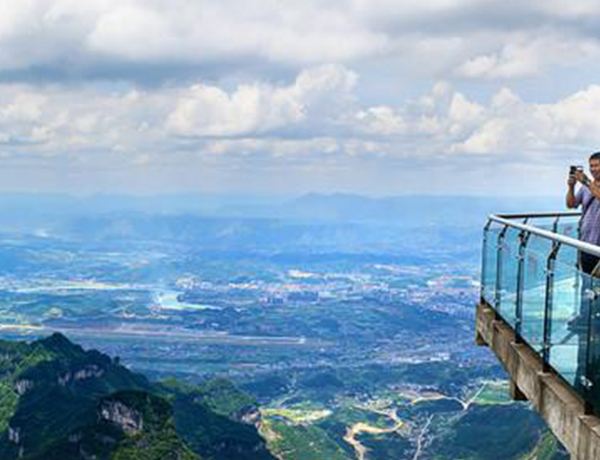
573, 172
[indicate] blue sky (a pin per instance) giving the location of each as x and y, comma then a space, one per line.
377, 97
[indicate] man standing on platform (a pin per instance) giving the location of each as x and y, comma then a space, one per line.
588, 197
588, 355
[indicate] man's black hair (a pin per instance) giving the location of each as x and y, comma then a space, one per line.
595, 156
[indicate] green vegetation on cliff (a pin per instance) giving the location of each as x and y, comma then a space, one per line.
227, 415
59, 401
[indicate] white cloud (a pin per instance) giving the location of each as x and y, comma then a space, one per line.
209, 111
115, 84
380, 120
505, 99
123, 37
206, 110
526, 56
510, 125
51, 33
262, 118
26, 107
573, 119
492, 136
462, 110
571, 9
287, 149
135, 32
317, 118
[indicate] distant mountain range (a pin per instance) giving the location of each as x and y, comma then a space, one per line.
28, 208
412, 211
312, 223
59, 402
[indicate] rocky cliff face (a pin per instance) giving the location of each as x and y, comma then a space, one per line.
22, 386
14, 434
58, 394
87, 372
250, 415
127, 419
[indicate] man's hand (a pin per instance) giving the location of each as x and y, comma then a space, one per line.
572, 180
571, 201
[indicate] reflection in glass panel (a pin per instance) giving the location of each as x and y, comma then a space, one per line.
507, 299
568, 338
543, 224
490, 264
568, 227
594, 349
534, 290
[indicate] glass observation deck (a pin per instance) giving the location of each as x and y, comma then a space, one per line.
531, 279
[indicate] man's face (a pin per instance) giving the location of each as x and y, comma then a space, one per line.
595, 169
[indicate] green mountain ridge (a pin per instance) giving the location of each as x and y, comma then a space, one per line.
131, 425
59, 401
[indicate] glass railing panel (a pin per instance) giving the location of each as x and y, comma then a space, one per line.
572, 328
593, 363
567, 256
534, 290
490, 264
543, 224
568, 332
506, 300
568, 227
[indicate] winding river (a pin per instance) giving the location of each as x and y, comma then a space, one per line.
168, 300
358, 428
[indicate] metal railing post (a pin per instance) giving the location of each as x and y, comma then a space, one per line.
555, 224
524, 237
548, 305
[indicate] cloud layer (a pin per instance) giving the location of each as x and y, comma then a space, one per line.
141, 40
347, 91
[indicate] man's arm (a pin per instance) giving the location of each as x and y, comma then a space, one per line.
571, 200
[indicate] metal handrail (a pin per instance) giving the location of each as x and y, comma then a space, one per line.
534, 215
552, 236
